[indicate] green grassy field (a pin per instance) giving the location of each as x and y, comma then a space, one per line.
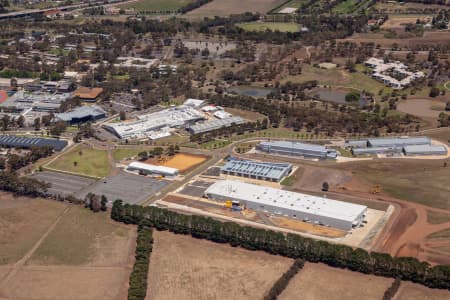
156, 5
339, 78
275, 26
348, 6
91, 162
122, 153
76, 237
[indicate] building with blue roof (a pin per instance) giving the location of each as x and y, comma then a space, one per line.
256, 170
296, 149
13, 141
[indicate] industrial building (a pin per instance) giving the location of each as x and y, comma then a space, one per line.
150, 124
215, 124
296, 149
256, 170
307, 208
13, 141
425, 150
149, 169
82, 114
420, 145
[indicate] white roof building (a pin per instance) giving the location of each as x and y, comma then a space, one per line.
194, 102
317, 210
152, 169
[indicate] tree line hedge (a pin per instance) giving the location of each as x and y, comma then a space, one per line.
138, 278
288, 245
281, 284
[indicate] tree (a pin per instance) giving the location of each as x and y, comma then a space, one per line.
352, 97
103, 203
122, 115
434, 92
20, 121
143, 155
37, 124
325, 186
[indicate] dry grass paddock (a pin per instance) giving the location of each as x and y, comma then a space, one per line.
318, 281
56, 251
182, 267
409, 290
225, 8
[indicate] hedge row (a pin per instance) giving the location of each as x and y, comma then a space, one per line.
288, 245
138, 278
283, 281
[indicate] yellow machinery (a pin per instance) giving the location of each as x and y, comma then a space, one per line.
376, 189
228, 204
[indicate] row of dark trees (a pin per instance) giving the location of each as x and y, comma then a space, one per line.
282, 282
23, 186
138, 279
288, 245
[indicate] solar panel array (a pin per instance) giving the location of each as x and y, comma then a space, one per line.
29, 142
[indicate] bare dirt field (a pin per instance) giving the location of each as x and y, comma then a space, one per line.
409, 290
318, 281
225, 8
182, 267
395, 22
77, 255
22, 222
423, 108
180, 161
307, 227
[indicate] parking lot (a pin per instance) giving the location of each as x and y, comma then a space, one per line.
128, 187
63, 184
195, 188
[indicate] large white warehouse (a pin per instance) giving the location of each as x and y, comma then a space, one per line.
313, 209
152, 169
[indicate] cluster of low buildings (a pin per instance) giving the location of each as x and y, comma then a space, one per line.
189, 116
409, 146
394, 74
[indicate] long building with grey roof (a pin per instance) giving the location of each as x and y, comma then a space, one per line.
420, 145
215, 124
302, 207
256, 170
82, 114
296, 149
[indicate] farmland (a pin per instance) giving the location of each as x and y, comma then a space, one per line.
62, 252
83, 160
182, 267
318, 281
225, 8
273, 26
410, 290
144, 6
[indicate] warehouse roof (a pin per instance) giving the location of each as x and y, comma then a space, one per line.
417, 149
288, 200
153, 168
295, 145
380, 142
215, 124
254, 168
81, 112
28, 142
